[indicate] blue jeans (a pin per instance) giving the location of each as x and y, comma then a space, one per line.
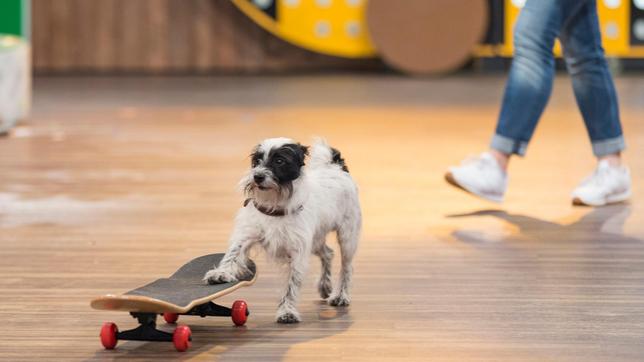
576, 25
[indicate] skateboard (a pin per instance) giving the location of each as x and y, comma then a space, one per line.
183, 293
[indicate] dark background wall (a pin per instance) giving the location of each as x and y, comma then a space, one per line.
162, 36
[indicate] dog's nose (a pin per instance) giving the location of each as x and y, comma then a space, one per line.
259, 178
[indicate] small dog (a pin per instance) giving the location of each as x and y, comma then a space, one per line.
289, 210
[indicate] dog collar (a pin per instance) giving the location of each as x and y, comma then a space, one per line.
271, 212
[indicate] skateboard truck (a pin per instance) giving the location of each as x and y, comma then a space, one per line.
146, 331
238, 313
211, 309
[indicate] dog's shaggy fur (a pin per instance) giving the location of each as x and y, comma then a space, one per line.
290, 209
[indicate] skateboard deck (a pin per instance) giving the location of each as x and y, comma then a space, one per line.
181, 292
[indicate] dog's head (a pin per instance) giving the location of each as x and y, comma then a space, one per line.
275, 164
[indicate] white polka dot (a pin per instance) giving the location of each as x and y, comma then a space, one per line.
639, 4
611, 30
353, 29
263, 4
612, 4
292, 3
323, 3
354, 3
322, 29
638, 29
518, 3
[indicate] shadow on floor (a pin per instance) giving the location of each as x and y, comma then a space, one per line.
600, 226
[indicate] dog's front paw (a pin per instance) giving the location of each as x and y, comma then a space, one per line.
288, 318
341, 300
217, 276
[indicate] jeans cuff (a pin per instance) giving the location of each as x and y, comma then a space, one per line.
508, 145
608, 146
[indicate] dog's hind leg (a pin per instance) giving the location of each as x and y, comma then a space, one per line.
287, 310
348, 236
325, 286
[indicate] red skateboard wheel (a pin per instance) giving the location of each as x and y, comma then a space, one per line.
181, 338
170, 317
109, 336
239, 312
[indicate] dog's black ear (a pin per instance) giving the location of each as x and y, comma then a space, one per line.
304, 149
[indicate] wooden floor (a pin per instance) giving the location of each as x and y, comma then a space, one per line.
115, 182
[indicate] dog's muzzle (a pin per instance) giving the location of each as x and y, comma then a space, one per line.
259, 180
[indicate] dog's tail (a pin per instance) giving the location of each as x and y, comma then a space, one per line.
323, 155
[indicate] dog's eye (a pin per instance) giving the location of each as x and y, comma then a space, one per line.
255, 162
279, 161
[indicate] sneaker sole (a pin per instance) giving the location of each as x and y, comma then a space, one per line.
452, 181
609, 200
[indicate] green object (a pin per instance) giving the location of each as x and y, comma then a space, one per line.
14, 17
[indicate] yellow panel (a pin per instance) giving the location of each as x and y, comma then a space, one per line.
614, 25
338, 27
511, 16
334, 27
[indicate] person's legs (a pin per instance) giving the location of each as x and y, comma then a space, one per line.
597, 101
530, 81
592, 82
527, 91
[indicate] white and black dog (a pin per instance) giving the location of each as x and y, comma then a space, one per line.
289, 211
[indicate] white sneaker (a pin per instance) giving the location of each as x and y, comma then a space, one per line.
607, 185
481, 176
